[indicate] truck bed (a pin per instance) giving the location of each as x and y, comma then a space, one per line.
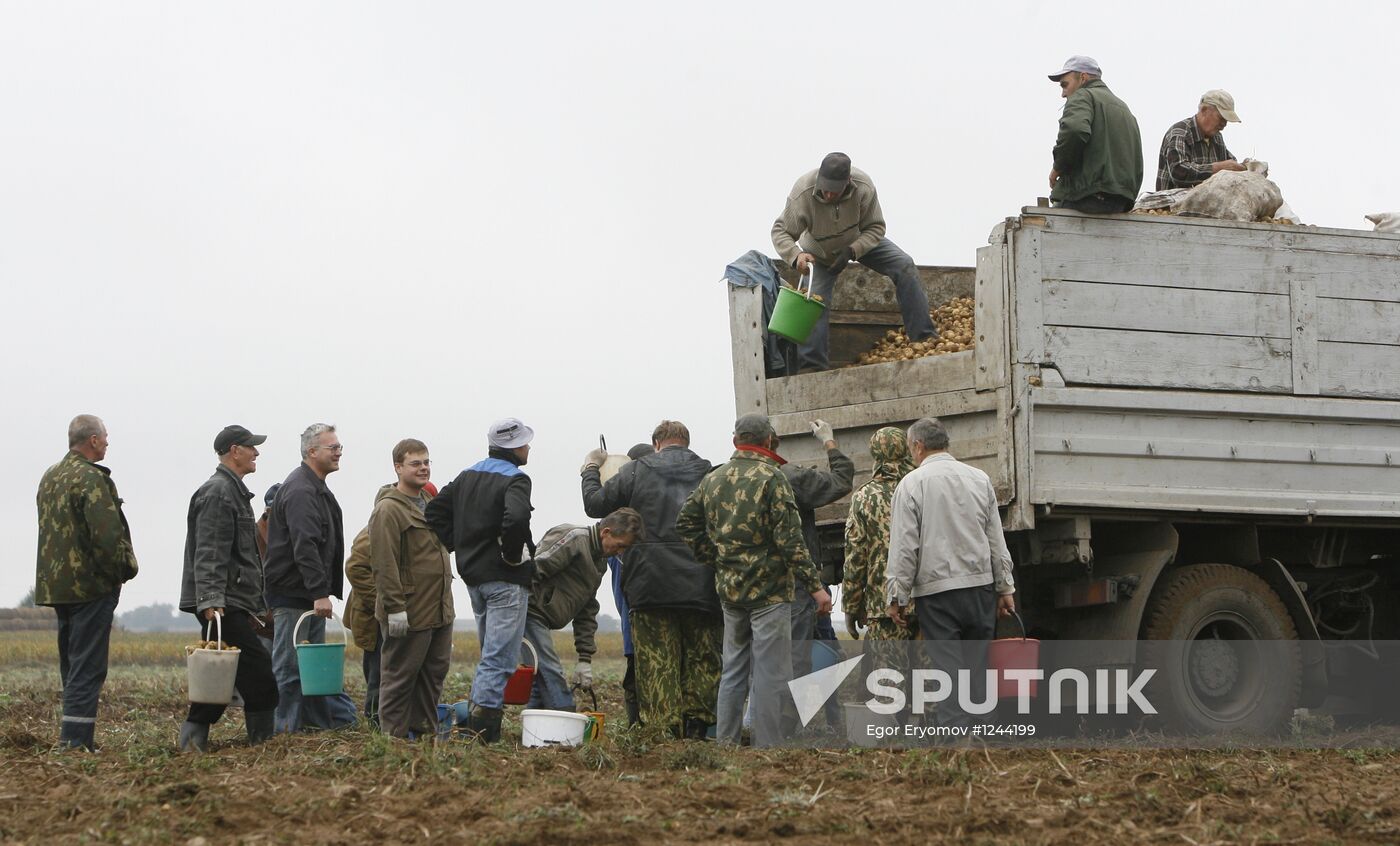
1132, 363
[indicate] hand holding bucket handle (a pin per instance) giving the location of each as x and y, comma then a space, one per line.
218, 622
310, 613
809, 276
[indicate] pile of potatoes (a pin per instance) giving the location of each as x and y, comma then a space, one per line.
956, 333
210, 644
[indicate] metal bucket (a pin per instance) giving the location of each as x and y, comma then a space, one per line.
212, 672
320, 665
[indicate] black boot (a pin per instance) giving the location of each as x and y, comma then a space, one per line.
696, 729
484, 724
72, 735
260, 726
194, 737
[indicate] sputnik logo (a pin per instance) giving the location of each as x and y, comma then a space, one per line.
810, 692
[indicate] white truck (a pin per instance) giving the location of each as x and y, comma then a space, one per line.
1193, 428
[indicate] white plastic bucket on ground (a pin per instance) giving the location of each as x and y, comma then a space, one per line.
212, 672
543, 727
866, 728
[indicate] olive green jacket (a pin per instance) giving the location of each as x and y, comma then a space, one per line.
84, 542
1099, 149
569, 567
412, 569
743, 521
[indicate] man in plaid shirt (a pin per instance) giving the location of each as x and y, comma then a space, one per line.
1193, 150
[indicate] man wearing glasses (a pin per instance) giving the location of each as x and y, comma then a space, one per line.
305, 548
1098, 153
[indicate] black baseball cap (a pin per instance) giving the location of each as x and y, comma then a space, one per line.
235, 436
835, 173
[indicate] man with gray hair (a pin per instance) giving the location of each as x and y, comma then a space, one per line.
1193, 150
305, 548
85, 556
947, 552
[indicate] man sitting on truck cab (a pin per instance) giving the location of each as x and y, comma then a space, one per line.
832, 217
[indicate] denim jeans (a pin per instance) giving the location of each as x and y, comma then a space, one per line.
294, 711
551, 688
84, 633
500, 625
757, 641
885, 258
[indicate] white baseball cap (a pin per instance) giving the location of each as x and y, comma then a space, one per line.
1077, 64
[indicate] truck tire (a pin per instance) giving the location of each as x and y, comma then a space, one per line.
1226, 651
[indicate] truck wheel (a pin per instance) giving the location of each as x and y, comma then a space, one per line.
1226, 651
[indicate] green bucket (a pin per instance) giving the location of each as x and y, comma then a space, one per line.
321, 665
795, 314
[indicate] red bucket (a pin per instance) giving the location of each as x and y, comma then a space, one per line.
522, 680
1014, 653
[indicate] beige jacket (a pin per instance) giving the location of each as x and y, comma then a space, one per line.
810, 224
412, 571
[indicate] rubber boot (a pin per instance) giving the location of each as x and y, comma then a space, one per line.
260, 726
73, 735
696, 729
194, 737
484, 724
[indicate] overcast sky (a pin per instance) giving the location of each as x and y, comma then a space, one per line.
410, 219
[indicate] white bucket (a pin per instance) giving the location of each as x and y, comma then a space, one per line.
543, 727
212, 672
866, 728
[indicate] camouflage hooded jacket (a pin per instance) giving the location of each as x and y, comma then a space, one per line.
742, 520
868, 526
84, 542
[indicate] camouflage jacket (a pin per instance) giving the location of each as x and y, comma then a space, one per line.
84, 542
743, 522
868, 527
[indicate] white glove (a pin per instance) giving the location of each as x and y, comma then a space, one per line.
821, 430
594, 458
398, 625
583, 675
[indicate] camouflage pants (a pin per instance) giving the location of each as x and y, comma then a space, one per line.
678, 658
883, 628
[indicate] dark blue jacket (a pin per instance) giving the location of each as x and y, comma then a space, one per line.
661, 572
305, 542
483, 516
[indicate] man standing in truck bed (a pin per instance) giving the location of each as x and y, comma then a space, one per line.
832, 217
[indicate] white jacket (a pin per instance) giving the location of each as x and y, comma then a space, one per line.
945, 532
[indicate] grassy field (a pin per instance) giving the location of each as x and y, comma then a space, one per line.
357, 787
